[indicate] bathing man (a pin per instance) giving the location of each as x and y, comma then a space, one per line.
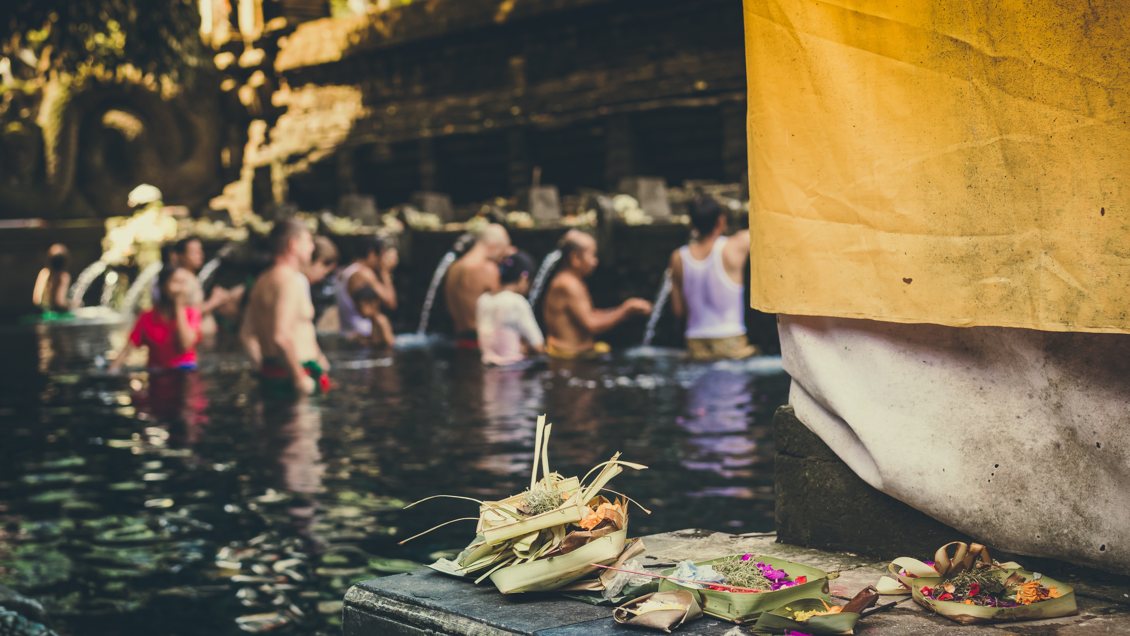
571, 322
707, 286
278, 328
474, 274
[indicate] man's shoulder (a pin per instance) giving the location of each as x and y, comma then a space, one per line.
566, 281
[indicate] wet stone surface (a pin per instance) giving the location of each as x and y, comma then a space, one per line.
425, 602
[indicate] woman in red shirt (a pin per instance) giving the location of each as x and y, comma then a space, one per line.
171, 330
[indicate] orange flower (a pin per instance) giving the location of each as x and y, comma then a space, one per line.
603, 511
1033, 592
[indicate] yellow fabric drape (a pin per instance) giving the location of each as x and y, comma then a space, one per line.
943, 161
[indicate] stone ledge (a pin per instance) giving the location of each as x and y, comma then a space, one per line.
425, 602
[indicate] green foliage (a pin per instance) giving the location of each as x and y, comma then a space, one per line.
12, 624
157, 37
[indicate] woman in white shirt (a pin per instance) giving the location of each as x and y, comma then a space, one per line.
508, 331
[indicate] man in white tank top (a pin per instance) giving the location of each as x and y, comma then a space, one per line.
707, 287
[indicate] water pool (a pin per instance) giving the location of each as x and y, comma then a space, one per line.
184, 504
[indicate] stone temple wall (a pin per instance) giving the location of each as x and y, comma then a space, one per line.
467, 97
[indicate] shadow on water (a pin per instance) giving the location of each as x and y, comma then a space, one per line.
179, 504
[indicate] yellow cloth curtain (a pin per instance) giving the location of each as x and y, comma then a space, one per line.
942, 161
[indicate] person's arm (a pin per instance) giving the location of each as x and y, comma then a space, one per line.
528, 326
61, 287
736, 255
386, 290
218, 297
120, 360
40, 289
248, 339
678, 302
187, 329
133, 340
285, 320
598, 321
382, 331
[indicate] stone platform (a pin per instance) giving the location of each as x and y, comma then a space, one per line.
425, 602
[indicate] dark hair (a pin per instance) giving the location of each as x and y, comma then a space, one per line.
513, 267
705, 212
568, 245
57, 262
181, 246
285, 231
57, 257
324, 250
366, 294
163, 278
371, 244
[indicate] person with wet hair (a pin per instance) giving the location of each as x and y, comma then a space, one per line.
323, 260
474, 274
171, 329
368, 304
708, 287
508, 330
373, 270
278, 326
53, 282
571, 322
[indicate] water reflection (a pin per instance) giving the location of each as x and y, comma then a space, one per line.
178, 503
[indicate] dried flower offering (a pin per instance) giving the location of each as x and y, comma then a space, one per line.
548, 535
741, 587
966, 585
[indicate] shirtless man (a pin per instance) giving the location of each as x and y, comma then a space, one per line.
278, 326
708, 287
571, 322
474, 274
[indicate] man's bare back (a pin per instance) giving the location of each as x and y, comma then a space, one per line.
469, 277
566, 293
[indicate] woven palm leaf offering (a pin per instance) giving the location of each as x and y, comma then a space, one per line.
740, 588
963, 583
816, 616
553, 533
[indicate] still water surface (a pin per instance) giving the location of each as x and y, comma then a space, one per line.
184, 504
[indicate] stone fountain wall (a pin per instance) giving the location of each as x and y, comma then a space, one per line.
466, 97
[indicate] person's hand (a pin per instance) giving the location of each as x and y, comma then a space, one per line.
305, 385
637, 306
390, 260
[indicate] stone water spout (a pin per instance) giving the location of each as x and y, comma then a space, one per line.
657, 308
429, 300
85, 279
109, 285
209, 269
542, 277
142, 285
